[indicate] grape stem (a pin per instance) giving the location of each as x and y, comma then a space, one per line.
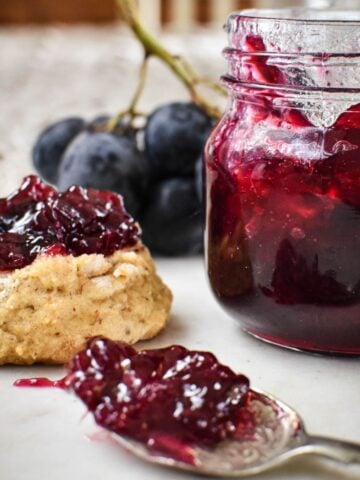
181, 68
131, 112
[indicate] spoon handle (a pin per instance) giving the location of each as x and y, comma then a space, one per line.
339, 450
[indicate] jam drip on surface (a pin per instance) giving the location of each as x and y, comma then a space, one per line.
41, 382
37, 219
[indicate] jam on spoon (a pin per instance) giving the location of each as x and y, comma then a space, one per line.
36, 219
169, 399
183, 409
166, 398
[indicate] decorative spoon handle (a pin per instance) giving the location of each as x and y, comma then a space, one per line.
339, 450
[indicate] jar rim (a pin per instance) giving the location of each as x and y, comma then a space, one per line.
294, 30
299, 15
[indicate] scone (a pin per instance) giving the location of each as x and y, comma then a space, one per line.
72, 267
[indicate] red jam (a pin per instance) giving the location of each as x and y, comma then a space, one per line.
36, 219
171, 399
158, 396
283, 212
41, 382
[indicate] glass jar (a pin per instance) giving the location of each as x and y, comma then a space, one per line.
283, 180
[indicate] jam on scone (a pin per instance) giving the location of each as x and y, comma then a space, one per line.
72, 266
37, 219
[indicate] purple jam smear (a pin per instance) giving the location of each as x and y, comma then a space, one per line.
36, 219
165, 398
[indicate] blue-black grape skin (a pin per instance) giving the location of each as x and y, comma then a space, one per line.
175, 136
173, 222
51, 144
199, 179
107, 162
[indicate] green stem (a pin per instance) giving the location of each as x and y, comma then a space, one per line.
182, 69
131, 111
141, 85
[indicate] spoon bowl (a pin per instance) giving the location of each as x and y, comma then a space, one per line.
279, 435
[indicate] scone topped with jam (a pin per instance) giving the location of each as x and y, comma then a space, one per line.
72, 266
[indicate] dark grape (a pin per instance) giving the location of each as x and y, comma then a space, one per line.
107, 162
175, 135
199, 179
173, 223
51, 144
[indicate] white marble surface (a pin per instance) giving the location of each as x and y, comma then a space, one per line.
43, 432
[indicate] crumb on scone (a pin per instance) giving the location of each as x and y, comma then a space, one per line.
49, 308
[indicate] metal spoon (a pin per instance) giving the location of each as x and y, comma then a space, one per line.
279, 436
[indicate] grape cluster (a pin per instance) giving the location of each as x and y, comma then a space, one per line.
160, 180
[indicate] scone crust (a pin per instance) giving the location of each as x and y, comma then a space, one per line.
49, 308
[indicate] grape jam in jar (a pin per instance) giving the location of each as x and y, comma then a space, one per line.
283, 179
